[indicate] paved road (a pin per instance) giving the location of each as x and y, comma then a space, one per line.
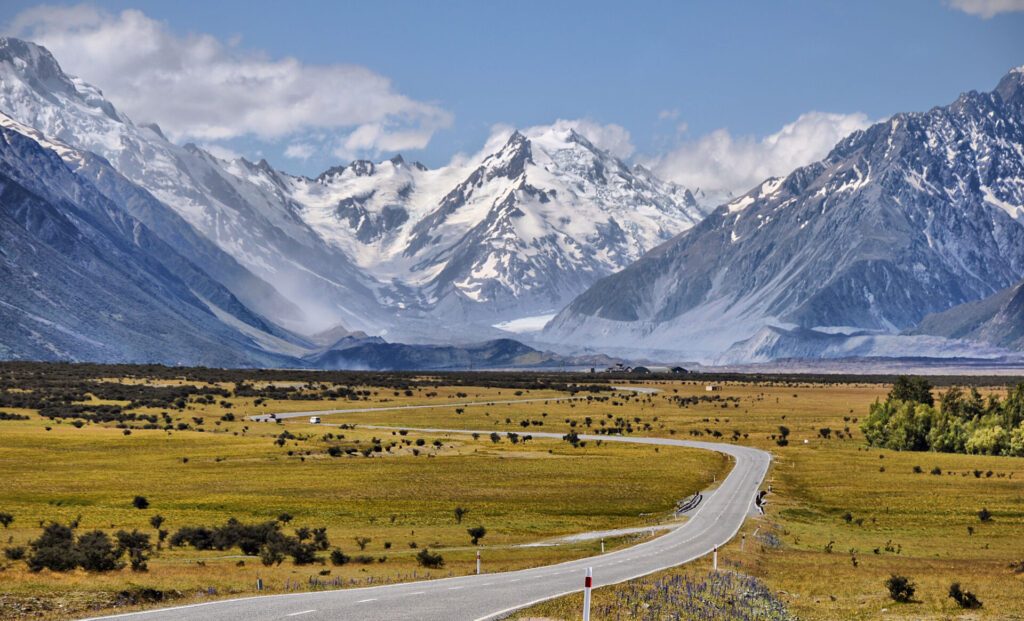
263, 418
490, 596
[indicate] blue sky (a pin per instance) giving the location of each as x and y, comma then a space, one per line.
668, 73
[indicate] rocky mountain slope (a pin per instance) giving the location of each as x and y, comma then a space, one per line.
83, 280
912, 216
386, 248
996, 320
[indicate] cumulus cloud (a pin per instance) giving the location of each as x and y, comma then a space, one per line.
198, 87
300, 151
612, 138
987, 9
722, 164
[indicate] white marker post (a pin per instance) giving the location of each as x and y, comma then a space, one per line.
602, 546
743, 541
716, 559
588, 583
478, 562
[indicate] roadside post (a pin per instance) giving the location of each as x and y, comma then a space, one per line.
259, 584
602, 546
716, 559
588, 583
478, 562
743, 541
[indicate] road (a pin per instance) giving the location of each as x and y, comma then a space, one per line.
263, 418
491, 596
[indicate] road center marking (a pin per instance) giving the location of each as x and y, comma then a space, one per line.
363, 601
301, 612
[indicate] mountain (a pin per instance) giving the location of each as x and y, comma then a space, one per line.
911, 216
312, 285
510, 234
996, 320
385, 248
83, 280
497, 354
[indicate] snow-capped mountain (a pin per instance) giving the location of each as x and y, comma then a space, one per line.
912, 216
84, 280
246, 222
387, 248
519, 231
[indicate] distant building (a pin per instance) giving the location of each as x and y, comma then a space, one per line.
712, 388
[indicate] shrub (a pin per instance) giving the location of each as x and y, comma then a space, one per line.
137, 546
901, 589
156, 521
985, 515
964, 599
363, 559
476, 533
338, 557
460, 512
14, 553
302, 553
96, 552
271, 554
917, 470
54, 549
362, 541
6, 519
430, 560
140, 502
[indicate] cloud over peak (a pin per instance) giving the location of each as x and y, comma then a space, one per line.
722, 164
198, 87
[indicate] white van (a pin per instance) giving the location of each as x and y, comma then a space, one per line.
315, 420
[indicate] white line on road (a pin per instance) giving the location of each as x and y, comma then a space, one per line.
301, 612
363, 601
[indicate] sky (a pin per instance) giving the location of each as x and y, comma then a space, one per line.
717, 95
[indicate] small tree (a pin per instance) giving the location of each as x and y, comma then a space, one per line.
964, 599
54, 549
284, 518
140, 502
157, 521
362, 541
476, 533
271, 554
985, 515
460, 512
429, 560
137, 546
6, 519
901, 589
338, 557
96, 552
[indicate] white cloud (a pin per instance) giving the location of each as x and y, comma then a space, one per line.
220, 151
987, 9
721, 164
299, 151
668, 115
612, 138
198, 87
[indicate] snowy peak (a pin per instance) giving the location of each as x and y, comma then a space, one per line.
910, 216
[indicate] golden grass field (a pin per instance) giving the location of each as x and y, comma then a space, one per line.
524, 493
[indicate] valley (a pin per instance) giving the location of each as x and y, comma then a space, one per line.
209, 462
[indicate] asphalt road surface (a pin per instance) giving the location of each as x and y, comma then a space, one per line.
492, 596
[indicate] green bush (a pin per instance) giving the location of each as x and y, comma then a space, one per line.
430, 560
964, 599
901, 589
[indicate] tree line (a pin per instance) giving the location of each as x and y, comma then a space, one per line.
961, 421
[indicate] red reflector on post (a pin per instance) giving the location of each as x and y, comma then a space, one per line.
588, 582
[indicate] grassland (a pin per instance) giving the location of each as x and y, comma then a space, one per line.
815, 561
522, 493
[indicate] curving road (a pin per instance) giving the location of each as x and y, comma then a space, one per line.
490, 596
